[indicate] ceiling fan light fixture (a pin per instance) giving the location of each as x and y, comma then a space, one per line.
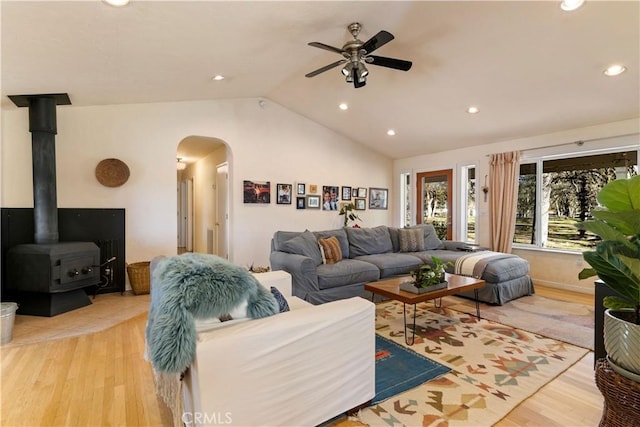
347, 69
351, 76
362, 72
473, 110
391, 132
355, 54
569, 5
343, 106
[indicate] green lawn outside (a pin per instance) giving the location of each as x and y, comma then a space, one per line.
563, 234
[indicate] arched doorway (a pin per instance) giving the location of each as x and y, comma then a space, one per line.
202, 196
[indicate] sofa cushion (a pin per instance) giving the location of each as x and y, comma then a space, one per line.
411, 240
279, 237
395, 238
442, 254
498, 271
304, 244
368, 241
431, 240
340, 234
391, 264
346, 272
330, 249
506, 269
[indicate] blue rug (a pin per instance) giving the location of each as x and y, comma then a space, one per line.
399, 369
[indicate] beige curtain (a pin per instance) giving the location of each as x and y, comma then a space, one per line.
503, 199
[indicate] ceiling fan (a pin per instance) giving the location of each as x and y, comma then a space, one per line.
357, 53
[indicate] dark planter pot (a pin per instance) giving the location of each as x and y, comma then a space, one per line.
622, 343
410, 287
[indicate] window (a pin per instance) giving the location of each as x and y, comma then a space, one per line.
556, 194
405, 197
468, 211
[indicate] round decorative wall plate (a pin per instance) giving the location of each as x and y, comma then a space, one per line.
112, 172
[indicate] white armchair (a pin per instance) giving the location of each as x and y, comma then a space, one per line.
298, 368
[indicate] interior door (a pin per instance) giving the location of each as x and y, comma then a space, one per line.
190, 215
222, 210
434, 201
182, 214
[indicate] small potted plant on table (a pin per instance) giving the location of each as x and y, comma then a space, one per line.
427, 278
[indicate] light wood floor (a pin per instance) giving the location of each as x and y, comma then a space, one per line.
101, 379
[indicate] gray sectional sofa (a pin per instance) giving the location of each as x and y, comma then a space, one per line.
370, 254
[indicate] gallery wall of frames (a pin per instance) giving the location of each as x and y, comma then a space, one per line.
313, 196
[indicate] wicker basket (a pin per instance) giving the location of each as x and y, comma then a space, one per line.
139, 277
621, 397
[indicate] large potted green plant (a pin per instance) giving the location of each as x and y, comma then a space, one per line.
616, 261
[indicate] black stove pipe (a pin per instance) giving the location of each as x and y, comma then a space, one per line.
42, 125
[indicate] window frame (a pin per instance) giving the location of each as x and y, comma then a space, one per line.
539, 160
463, 227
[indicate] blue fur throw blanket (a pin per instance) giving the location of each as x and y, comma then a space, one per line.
196, 286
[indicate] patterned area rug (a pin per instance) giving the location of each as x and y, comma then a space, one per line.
398, 369
494, 368
560, 320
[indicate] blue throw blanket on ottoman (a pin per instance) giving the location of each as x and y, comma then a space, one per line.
196, 286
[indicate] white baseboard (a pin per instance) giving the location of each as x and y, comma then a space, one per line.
564, 286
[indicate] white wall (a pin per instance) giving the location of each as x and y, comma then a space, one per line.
552, 268
270, 143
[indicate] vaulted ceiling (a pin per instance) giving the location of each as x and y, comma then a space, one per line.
530, 67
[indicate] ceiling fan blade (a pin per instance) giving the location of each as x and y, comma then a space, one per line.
325, 68
326, 47
397, 64
377, 41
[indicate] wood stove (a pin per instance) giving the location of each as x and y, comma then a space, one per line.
49, 275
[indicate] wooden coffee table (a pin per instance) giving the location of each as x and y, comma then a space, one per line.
390, 288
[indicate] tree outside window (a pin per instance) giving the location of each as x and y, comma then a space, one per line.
556, 194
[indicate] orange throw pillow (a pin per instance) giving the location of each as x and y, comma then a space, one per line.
331, 249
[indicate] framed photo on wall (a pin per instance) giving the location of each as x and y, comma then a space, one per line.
283, 192
313, 202
362, 192
330, 195
300, 189
313, 188
346, 193
361, 204
301, 202
257, 191
378, 198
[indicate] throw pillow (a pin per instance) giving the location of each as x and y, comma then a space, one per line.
282, 302
304, 244
331, 249
411, 240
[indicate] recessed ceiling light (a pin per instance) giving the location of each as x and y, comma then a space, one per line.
473, 110
117, 3
217, 77
391, 132
615, 70
569, 5
343, 106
